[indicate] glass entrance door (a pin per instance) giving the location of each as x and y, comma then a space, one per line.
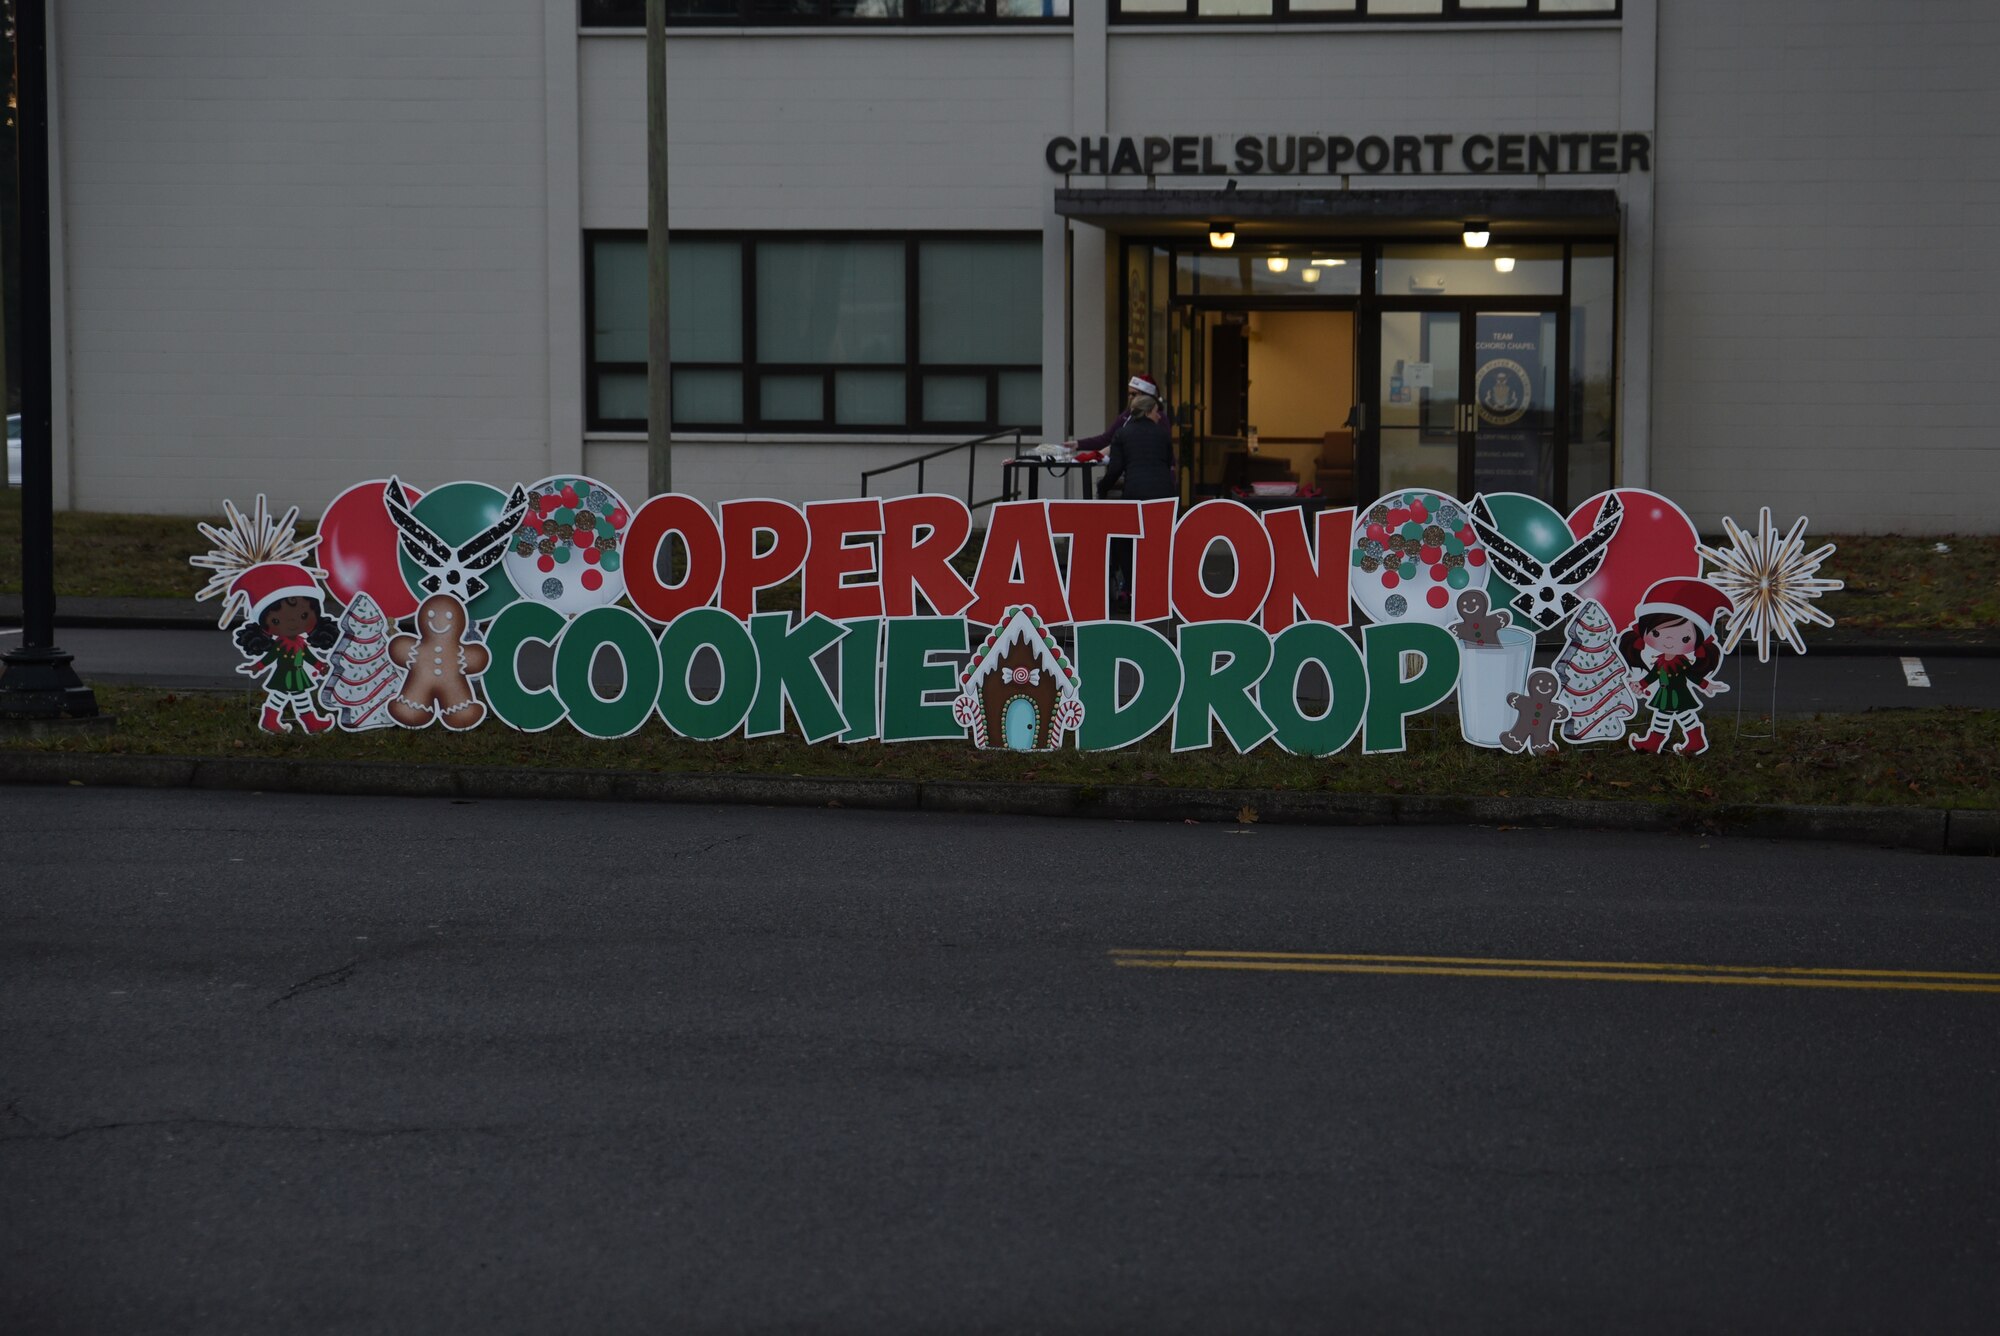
1418, 405
1512, 403
1464, 400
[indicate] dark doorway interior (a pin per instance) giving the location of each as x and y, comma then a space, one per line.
1229, 381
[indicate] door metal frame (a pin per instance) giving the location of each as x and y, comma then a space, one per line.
1368, 345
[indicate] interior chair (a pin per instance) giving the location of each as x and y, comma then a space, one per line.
1336, 467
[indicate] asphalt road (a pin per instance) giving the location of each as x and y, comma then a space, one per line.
289, 1064
192, 660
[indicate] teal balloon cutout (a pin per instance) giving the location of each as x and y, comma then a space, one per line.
456, 512
1533, 524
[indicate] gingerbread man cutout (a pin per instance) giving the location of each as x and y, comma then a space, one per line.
439, 668
1478, 627
1535, 715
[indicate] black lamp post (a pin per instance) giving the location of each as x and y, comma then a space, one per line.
37, 681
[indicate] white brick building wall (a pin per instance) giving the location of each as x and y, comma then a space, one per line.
303, 245
1826, 277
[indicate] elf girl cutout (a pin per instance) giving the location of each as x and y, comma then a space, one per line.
260, 565
1672, 654
278, 640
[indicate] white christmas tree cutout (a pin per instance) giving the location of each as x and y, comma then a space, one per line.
361, 680
1592, 674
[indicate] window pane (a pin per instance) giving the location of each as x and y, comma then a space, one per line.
1214, 274
1152, 6
622, 394
791, 398
951, 6
1457, 271
1021, 399
980, 301
1579, 6
1226, 8
689, 9
1322, 6
705, 293
618, 308
1034, 9
705, 301
708, 396
617, 13
779, 10
867, 398
1406, 6
830, 301
1593, 366
1304, 272
955, 399
868, 9
1492, 4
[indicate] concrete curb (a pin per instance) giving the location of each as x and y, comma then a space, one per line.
1926, 829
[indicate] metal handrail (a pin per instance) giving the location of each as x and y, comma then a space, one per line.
971, 462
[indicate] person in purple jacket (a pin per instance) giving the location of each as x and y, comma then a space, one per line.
1134, 388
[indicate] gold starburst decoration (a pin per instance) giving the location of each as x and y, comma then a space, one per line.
1773, 582
250, 540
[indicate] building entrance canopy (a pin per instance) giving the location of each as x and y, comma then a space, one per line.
1336, 212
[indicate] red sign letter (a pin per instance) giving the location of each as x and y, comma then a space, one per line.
1017, 540
832, 558
744, 569
1091, 525
1250, 547
910, 562
651, 526
1318, 587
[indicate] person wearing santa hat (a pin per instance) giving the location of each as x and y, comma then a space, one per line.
1141, 441
1139, 386
1671, 650
284, 627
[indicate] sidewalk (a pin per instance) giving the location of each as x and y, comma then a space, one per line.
1920, 829
186, 614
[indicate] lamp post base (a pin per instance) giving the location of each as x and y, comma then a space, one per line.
38, 683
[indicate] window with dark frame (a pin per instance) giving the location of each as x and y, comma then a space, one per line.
1360, 11
808, 13
909, 13
845, 333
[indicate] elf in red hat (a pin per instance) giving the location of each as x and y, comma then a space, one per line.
283, 628
1672, 653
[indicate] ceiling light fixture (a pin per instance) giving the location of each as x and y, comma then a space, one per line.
1504, 263
1222, 235
1278, 264
1310, 275
1477, 233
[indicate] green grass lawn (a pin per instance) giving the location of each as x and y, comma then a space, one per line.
1934, 758
1892, 582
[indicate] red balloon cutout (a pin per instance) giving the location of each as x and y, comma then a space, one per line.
357, 548
1654, 541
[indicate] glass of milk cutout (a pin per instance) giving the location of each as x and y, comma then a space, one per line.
1487, 675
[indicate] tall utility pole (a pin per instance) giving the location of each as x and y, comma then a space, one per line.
37, 681
659, 362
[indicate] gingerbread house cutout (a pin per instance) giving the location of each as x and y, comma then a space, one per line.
1019, 692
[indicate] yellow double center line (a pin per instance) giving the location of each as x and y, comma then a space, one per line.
1598, 971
